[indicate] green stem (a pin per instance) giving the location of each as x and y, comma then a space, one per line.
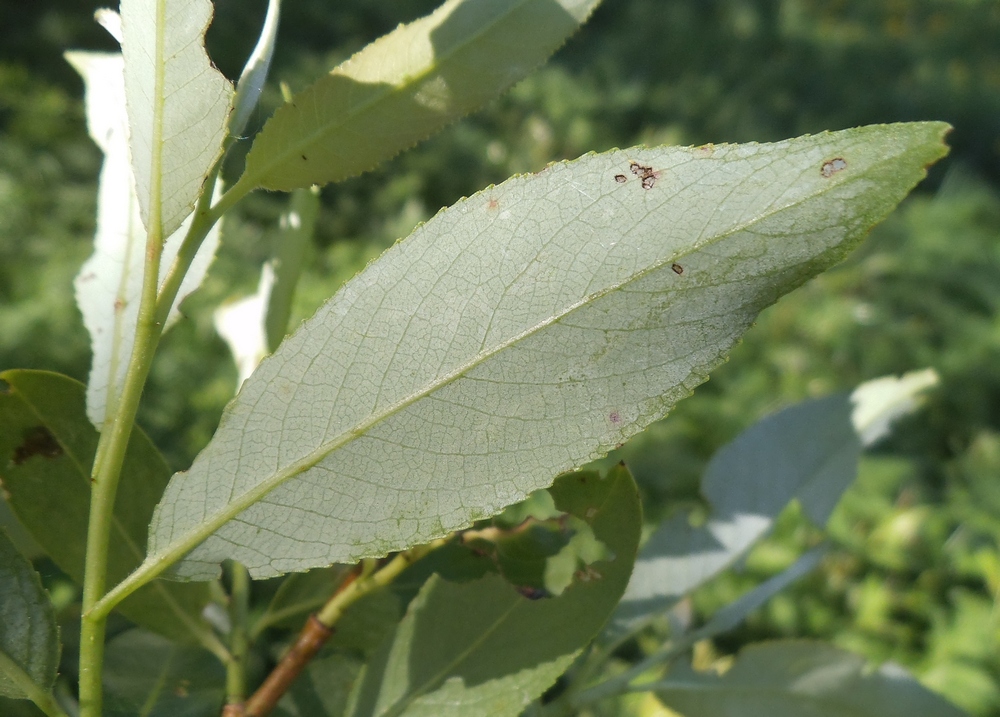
239, 642
111, 448
154, 307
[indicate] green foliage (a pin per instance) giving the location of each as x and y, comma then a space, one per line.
914, 569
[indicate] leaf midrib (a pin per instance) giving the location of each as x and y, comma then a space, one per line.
174, 549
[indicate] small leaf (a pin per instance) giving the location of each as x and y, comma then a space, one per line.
517, 335
483, 648
255, 71
46, 450
808, 452
149, 675
801, 679
178, 106
29, 638
880, 402
297, 227
241, 325
407, 85
109, 284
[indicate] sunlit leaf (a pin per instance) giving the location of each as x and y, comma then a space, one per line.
518, 334
407, 85
109, 283
178, 106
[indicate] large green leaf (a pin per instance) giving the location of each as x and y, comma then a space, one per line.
407, 85
482, 648
178, 106
518, 334
148, 675
29, 638
807, 452
801, 679
47, 446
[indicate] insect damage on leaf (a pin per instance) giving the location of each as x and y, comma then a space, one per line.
645, 173
38, 441
677, 268
833, 166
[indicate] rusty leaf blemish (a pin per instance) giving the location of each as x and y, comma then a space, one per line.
832, 166
647, 174
621, 178
38, 441
705, 150
119, 305
615, 418
493, 204
532, 593
678, 269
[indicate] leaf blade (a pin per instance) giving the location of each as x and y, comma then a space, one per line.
482, 648
803, 678
587, 330
47, 447
407, 85
178, 105
29, 638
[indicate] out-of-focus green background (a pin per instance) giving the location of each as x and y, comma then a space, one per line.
916, 570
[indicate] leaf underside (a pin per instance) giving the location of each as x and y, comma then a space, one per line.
518, 334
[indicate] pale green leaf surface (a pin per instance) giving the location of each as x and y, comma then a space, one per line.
808, 452
407, 85
481, 648
178, 106
109, 284
801, 679
29, 638
251, 82
47, 447
520, 333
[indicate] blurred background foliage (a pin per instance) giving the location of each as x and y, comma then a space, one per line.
915, 573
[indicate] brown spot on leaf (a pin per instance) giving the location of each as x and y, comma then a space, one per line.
119, 305
832, 166
647, 174
621, 178
493, 204
615, 418
678, 269
38, 441
532, 593
705, 150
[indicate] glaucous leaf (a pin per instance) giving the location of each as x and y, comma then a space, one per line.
801, 679
178, 106
407, 85
47, 447
520, 333
807, 452
109, 284
29, 638
482, 648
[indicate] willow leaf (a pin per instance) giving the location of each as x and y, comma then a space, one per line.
407, 85
522, 332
